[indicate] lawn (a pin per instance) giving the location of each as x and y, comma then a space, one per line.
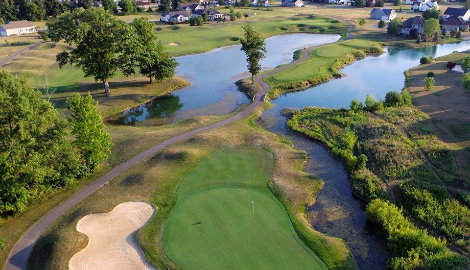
216, 35
323, 64
213, 225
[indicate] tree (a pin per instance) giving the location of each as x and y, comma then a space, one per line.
254, 47
2, 21
451, 65
192, 21
101, 43
127, 6
165, 5
431, 13
108, 5
174, 4
238, 15
467, 4
8, 10
394, 26
53, 8
360, 3
44, 35
465, 64
381, 24
397, 2
152, 58
428, 83
418, 39
84, 4
444, 31
233, 17
356, 105
431, 26
466, 81
35, 153
379, 3
88, 128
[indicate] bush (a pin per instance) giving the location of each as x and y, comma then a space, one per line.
466, 81
406, 98
397, 3
372, 104
238, 15
381, 24
359, 54
430, 74
451, 65
356, 105
465, 64
418, 39
393, 99
361, 162
394, 26
428, 83
458, 35
362, 22
425, 60
431, 13
2, 244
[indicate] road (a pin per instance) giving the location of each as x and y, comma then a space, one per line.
14, 55
18, 257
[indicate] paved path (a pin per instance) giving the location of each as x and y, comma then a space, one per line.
14, 55
18, 257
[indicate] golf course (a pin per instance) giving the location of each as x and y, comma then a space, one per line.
227, 218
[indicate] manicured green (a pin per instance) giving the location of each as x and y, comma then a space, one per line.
323, 64
213, 225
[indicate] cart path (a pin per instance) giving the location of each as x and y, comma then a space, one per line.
15, 55
18, 257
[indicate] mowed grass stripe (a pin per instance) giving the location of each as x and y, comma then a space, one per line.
213, 225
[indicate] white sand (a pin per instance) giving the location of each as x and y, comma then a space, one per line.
111, 239
174, 44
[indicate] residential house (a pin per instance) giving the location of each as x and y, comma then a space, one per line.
339, 2
462, 13
416, 23
454, 24
231, 2
190, 7
145, 5
426, 5
264, 3
17, 28
292, 3
214, 15
383, 14
175, 17
411, 2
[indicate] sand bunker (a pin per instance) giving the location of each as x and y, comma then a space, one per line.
111, 239
174, 44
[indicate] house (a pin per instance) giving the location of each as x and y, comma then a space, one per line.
231, 2
145, 5
175, 17
17, 28
214, 15
454, 24
292, 3
426, 5
339, 2
264, 3
190, 7
462, 13
383, 14
416, 23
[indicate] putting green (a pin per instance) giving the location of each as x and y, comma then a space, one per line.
213, 225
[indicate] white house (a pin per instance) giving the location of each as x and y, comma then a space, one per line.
462, 13
426, 5
383, 14
453, 23
175, 17
292, 3
411, 2
17, 28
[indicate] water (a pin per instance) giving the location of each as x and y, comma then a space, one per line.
213, 75
336, 212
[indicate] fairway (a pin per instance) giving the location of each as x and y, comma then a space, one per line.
214, 224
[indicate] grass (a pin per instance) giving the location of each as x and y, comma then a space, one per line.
214, 211
323, 64
157, 180
9, 45
216, 35
41, 71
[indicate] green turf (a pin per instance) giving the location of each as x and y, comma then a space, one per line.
213, 226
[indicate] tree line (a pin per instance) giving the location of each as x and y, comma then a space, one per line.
102, 45
40, 152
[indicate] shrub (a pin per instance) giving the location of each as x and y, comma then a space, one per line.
394, 26
359, 54
430, 74
2, 244
431, 13
372, 104
362, 22
356, 105
425, 60
466, 81
429, 83
465, 64
238, 15
393, 99
406, 98
381, 24
361, 162
397, 3
418, 39
458, 35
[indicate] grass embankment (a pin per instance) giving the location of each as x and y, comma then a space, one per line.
392, 154
10, 45
322, 65
157, 180
216, 225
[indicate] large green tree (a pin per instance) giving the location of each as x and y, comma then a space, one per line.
152, 59
35, 154
254, 47
431, 26
53, 7
102, 44
128, 6
109, 5
88, 128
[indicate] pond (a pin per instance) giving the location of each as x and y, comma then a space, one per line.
213, 75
